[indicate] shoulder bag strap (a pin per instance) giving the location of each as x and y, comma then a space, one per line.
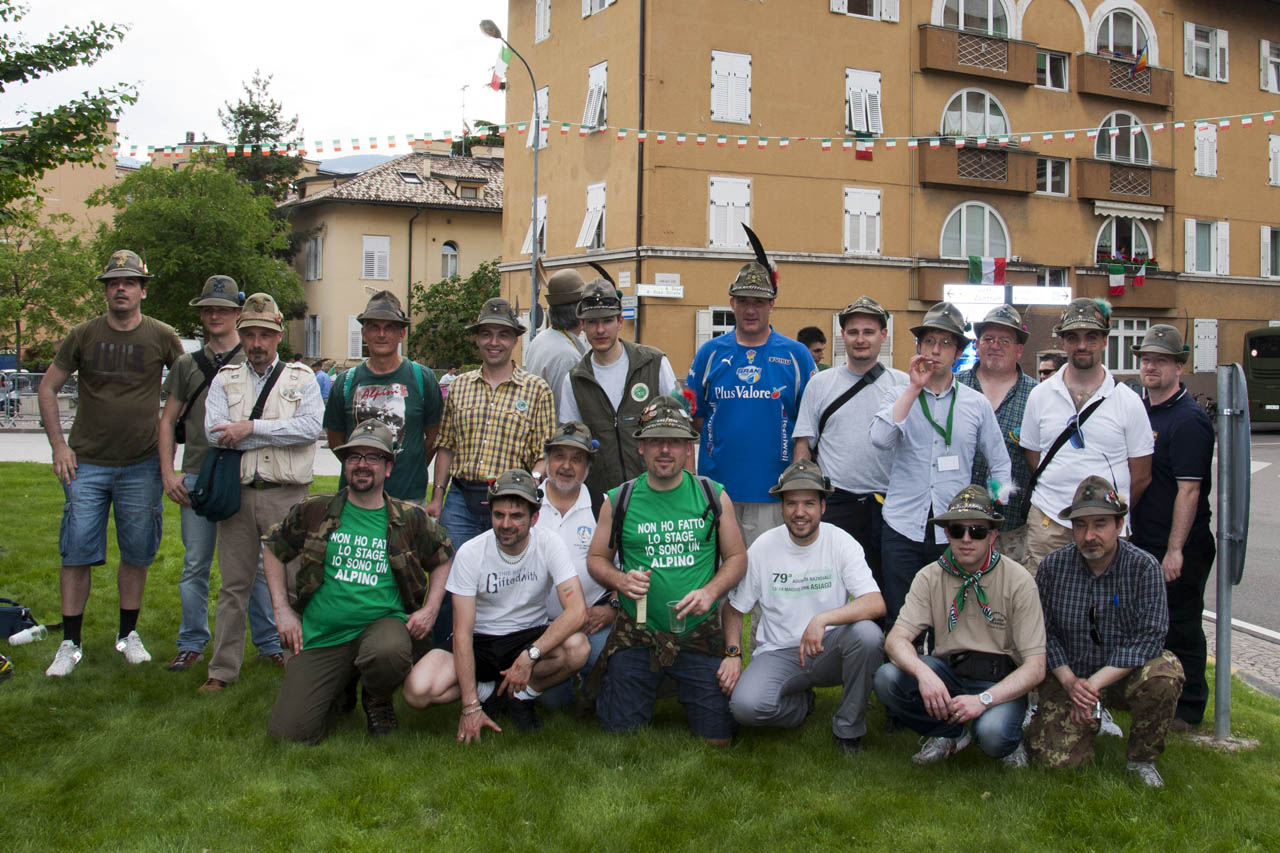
266, 389
1059, 441
869, 377
209, 370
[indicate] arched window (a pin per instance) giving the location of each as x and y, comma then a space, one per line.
1129, 144
1121, 34
987, 17
974, 228
449, 260
1122, 237
972, 112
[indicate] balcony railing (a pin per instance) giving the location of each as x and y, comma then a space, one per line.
945, 49
992, 168
1131, 182
1113, 78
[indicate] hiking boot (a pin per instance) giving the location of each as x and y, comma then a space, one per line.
937, 749
524, 714
1109, 726
380, 713
131, 647
1017, 759
1147, 772
849, 745
184, 660
212, 685
65, 660
1181, 726
276, 660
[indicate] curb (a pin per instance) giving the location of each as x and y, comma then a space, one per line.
1256, 631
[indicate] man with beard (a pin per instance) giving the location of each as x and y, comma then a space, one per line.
278, 448
558, 347
363, 599
110, 460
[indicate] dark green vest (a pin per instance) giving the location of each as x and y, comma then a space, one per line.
617, 460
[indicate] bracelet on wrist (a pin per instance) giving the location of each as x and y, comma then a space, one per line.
475, 710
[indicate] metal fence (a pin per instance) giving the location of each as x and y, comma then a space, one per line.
19, 406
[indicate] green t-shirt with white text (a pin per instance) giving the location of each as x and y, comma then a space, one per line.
358, 587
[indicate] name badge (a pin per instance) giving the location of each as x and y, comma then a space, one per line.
949, 463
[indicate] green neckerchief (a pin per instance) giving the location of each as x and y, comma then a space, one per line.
951, 414
947, 561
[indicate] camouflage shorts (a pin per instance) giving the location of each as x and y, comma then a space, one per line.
1150, 693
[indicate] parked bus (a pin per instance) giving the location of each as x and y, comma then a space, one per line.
1262, 374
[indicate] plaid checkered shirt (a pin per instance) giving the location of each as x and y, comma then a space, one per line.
491, 430
1130, 611
1009, 416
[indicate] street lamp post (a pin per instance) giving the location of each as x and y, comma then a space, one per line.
490, 29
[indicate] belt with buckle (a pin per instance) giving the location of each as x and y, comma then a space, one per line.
263, 484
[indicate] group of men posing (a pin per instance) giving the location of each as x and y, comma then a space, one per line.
587, 563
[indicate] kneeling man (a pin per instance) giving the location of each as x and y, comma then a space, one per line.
1106, 618
362, 593
817, 599
987, 655
499, 581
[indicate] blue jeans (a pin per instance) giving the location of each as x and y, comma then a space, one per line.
561, 696
900, 559
998, 730
462, 526
199, 539
135, 492
630, 689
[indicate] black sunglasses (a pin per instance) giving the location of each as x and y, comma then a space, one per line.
1077, 437
1094, 633
977, 532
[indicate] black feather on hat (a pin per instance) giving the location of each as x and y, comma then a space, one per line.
762, 256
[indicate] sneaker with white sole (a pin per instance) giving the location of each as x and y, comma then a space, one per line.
937, 749
68, 655
1017, 759
131, 647
1109, 726
1147, 772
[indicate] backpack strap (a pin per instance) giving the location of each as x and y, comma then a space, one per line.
615, 526
417, 374
210, 370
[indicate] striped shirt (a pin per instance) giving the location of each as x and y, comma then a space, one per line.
1128, 600
1009, 416
491, 430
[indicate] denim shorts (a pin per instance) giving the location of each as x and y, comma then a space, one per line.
135, 491
631, 687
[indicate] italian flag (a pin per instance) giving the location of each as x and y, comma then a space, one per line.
826, 145
1115, 273
986, 270
1141, 277
935, 142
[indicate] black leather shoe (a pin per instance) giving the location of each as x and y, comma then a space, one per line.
380, 714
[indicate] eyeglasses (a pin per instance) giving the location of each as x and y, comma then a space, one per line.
371, 458
992, 340
1094, 633
1077, 437
977, 532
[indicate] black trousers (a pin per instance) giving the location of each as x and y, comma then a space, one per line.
1186, 628
861, 517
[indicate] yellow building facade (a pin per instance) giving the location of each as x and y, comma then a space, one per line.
992, 128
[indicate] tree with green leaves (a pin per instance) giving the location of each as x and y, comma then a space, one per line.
440, 338
258, 120
46, 278
74, 132
190, 224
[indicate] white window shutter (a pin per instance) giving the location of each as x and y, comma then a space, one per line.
857, 111
889, 10
318, 334
838, 355
874, 122
1211, 153
886, 348
730, 86
542, 20
526, 248
1189, 245
1188, 48
1264, 65
1205, 347
840, 7
701, 328
1266, 251
588, 228
591, 112
354, 341
1220, 44
1206, 150
586, 8
1222, 231
1273, 165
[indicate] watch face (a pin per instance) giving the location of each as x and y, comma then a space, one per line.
534, 653
984, 697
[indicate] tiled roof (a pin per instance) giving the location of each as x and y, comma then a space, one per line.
383, 185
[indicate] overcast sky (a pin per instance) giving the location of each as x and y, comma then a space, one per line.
376, 68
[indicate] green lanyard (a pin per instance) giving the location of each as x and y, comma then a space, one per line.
945, 433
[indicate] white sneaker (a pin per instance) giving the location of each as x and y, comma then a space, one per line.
1147, 772
1018, 758
132, 649
1031, 712
937, 749
1109, 726
65, 660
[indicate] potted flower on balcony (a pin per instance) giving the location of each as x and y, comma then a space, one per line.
1131, 263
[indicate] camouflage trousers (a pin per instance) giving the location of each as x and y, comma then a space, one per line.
1150, 693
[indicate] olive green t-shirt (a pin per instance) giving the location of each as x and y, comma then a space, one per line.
118, 414
184, 378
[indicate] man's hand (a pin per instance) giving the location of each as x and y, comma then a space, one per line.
598, 617
635, 584
965, 708
421, 621
174, 489
728, 674
436, 504
811, 639
695, 603
919, 369
227, 435
64, 464
937, 700
1084, 699
289, 628
1171, 565
469, 726
516, 677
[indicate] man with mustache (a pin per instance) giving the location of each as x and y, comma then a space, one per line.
363, 600
1106, 618
279, 449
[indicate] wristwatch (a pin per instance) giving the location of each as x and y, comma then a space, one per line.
733, 652
985, 698
613, 602
535, 654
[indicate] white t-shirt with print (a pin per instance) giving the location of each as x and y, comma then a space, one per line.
575, 529
510, 596
794, 583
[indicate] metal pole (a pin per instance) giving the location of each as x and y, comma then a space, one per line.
536, 130
1226, 556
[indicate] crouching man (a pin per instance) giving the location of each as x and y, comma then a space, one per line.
817, 599
1106, 618
363, 593
503, 653
989, 649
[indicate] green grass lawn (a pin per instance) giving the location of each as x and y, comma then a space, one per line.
121, 757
